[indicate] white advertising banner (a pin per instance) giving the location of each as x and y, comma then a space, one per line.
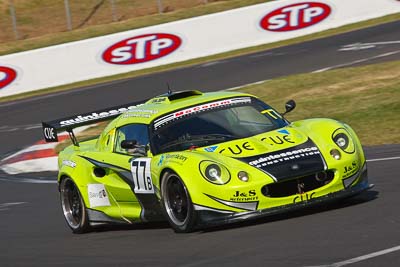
179, 41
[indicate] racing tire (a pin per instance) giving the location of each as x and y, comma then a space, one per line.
73, 207
177, 204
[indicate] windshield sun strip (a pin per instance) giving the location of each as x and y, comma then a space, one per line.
204, 107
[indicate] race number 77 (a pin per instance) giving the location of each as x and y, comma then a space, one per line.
141, 175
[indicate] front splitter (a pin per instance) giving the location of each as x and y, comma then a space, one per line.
209, 217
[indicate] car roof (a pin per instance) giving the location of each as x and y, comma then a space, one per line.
164, 104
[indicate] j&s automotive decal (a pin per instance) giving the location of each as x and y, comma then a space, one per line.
7, 76
143, 48
296, 16
244, 196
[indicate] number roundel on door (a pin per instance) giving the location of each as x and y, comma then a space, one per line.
141, 174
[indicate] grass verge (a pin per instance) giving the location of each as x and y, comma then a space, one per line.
366, 98
188, 63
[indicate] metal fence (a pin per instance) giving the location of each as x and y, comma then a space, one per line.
24, 19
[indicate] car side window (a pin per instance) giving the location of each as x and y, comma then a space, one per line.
132, 132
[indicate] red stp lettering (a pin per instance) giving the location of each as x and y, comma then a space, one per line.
295, 17
142, 48
7, 76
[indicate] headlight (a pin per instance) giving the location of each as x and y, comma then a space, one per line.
343, 140
214, 172
336, 154
243, 176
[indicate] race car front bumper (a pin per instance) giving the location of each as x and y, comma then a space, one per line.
209, 217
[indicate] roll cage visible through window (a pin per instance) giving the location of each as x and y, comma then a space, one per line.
137, 132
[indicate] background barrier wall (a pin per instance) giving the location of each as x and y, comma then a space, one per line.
179, 41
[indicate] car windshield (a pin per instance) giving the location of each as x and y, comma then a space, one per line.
214, 125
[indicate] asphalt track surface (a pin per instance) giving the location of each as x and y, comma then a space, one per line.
33, 231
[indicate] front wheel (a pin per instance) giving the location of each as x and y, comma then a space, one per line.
73, 207
177, 204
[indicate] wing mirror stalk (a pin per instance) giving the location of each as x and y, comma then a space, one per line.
289, 106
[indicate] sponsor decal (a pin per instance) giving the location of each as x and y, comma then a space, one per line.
296, 161
50, 134
277, 140
7, 76
137, 115
176, 157
180, 159
69, 163
283, 131
200, 108
285, 156
238, 149
160, 162
96, 116
350, 170
249, 205
159, 100
272, 113
142, 113
143, 48
141, 173
349, 179
296, 16
98, 195
210, 148
303, 197
247, 196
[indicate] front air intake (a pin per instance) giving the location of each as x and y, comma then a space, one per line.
183, 94
298, 185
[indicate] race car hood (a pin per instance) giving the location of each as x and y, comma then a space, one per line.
260, 144
282, 154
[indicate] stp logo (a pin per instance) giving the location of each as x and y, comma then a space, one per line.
7, 76
295, 17
142, 48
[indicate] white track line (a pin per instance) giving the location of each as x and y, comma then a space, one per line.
6, 206
212, 63
28, 180
245, 85
357, 61
361, 258
360, 46
382, 159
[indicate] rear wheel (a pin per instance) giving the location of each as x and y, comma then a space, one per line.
177, 204
73, 207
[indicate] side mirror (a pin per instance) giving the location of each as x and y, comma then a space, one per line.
289, 106
128, 144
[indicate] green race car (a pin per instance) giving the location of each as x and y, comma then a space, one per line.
201, 159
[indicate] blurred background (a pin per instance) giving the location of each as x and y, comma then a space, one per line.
23, 19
